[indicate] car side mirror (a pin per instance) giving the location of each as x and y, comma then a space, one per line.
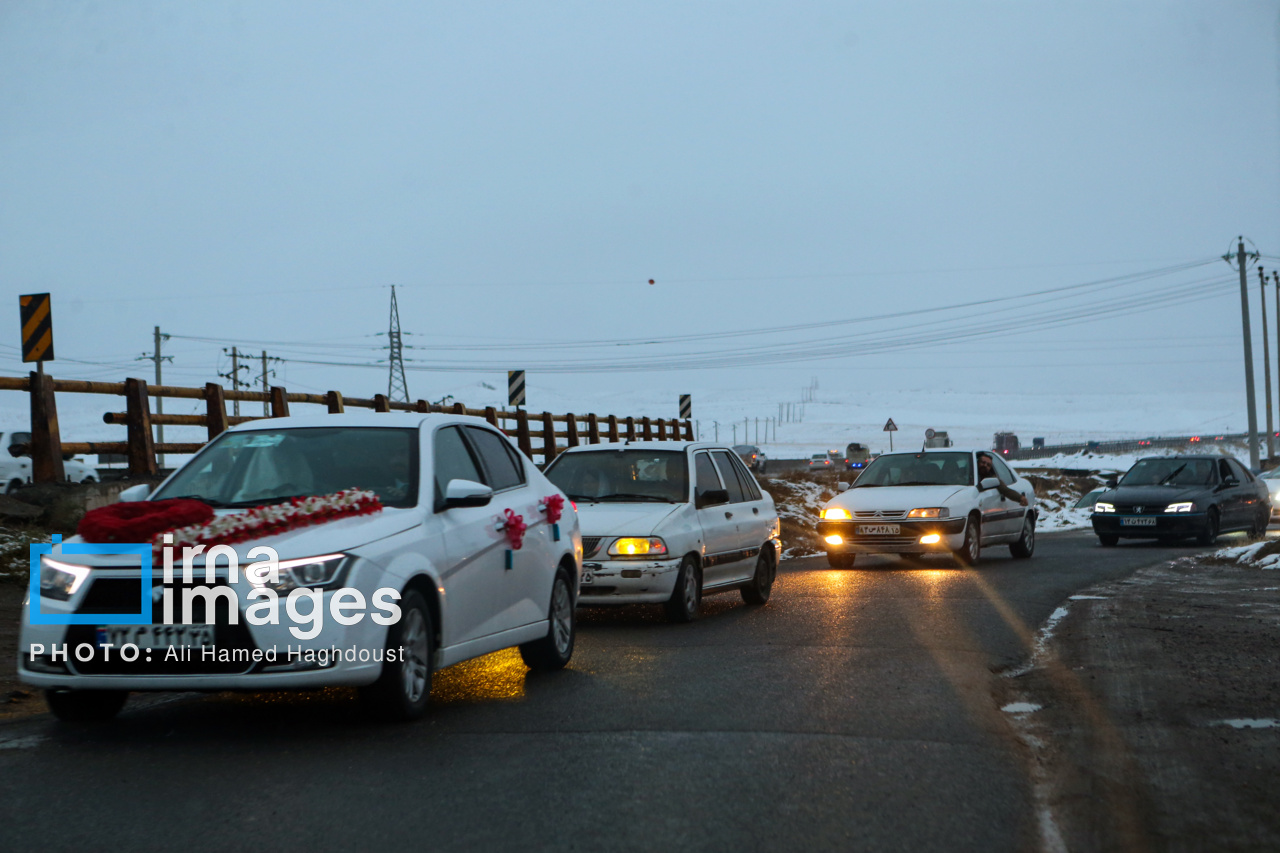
843, 487
711, 497
461, 493
1229, 482
1112, 482
17, 450
988, 483
133, 494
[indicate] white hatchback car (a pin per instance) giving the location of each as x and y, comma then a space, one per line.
443, 541
668, 522
930, 502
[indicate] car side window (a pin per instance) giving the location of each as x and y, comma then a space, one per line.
503, 471
749, 486
707, 478
1002, 471
453, 460
1241, 473
730, 477
1224, 470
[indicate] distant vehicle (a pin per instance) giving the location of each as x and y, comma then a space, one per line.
15, 466
1088, 499
1037, 443
752, 456
1006, 443
1177, 497
819, 460
936, 438
856, 456
1271, 479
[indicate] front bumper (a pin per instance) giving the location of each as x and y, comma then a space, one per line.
906, 541
1171, 525
628, 581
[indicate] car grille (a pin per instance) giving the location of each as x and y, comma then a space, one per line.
1141, 509
590, 544
881, 513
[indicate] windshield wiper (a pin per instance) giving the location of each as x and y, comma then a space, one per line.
278, 499
1172, 474
216, 504
587, 498
918, 483
629, 497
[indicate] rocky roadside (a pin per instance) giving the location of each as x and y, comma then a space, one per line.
1150, 712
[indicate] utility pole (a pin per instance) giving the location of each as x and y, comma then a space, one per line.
234, 376
1266, 363
158, 359
1241, 261
397, 388
716, 424
1275, 278
266, 386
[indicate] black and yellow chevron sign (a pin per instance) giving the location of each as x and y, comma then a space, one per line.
37, 327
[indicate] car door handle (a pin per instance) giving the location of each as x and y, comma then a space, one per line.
755, 510
728, 515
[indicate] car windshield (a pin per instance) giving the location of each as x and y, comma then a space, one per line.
242, 469
622, 475
1170, 472
918, 469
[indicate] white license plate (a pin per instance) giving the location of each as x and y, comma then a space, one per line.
879, 529
157, 636
1138, 522
588, 576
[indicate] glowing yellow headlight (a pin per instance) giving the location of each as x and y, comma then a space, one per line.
927, 512
631, 546
930, 539
835, 539
835, 513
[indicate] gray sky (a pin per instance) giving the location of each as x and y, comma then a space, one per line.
261, 171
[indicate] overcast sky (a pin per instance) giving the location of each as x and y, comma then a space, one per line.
262, 171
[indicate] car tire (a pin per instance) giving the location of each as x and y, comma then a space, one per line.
1107, 540
553, 651
1026, 544
971, 550
757, 591
403, 688
13, 486
85, 706
1259, 528
686, 598
1210, 533
841, 561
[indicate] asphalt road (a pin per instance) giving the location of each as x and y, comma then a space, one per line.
854, 711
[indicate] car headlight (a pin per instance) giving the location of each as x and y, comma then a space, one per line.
1103, 506
836, 513
928, 512
324, 572
59, 580
634, 546
1183, 506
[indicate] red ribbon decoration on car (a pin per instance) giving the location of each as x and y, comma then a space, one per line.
553, 506
515, 528
139, 521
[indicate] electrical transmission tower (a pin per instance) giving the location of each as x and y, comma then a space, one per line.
397, 388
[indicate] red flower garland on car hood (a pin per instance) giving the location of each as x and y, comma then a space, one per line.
274, 519
141, 520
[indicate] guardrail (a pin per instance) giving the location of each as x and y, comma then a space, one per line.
140, 449
1125, 445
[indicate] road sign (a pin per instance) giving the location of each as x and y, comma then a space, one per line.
37, 327
929, 433
686, 406
515, 387
890, 426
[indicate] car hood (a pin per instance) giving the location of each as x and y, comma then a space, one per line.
1153, 495
895, 497
622, 519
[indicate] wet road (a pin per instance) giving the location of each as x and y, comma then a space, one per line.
855, 710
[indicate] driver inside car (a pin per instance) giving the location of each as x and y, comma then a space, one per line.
987, 468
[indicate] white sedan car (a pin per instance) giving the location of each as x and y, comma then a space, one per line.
15, 471
438, 570
931, 502
669, 522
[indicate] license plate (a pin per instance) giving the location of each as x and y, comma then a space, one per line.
1138, 522
157, 636
879, 529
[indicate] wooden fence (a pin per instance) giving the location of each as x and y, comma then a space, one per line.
47, 447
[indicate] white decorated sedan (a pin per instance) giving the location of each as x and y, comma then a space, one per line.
669, 522
465, 556
931, 502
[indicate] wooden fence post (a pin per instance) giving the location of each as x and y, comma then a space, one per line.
593, 429
142, 449
688, 431
631, 428
572, 421
662, 429
648, 428
491, 415
459, 409
612, 423
215, 399
522, 433
333, 399
381, 403
548, 439
279, 402
46, 439
422, 406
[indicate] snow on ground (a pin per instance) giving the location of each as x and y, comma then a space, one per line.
1257, 555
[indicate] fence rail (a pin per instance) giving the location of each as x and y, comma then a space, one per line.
140, 449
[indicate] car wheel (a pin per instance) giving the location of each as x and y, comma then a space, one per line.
404, 687
85, 706
12, 487
1259, 528
761, 585
841, 561
554, 650
686, 598
1026, 544
1210, 533
971, 551
1108, 541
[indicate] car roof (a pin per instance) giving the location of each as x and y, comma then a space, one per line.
359, 419
647, 445
1191, 456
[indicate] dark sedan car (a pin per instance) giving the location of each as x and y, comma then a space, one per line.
1177, 497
